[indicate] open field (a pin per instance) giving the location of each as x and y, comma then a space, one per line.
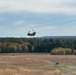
37, 64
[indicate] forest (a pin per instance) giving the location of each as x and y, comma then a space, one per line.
57, 46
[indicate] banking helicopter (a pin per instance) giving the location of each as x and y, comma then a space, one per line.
31, 34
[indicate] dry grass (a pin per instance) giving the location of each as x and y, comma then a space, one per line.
23, 71
36, 64
7, 70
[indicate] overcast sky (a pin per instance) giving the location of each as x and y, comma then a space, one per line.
46, 17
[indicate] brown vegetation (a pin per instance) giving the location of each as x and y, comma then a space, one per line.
36, 64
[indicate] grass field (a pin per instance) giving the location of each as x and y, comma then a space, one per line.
37, 64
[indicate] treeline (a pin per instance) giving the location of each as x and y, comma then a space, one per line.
38, 45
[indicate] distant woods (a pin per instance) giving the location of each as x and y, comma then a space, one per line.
59, 46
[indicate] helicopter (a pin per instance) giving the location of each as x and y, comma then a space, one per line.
31, 34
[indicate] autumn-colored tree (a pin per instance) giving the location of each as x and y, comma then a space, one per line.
61, 51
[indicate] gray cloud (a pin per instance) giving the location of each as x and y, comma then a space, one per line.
40, 6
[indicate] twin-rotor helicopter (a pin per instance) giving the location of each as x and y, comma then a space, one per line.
31, 33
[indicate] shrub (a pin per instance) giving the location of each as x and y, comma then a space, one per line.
74, 52
61, 51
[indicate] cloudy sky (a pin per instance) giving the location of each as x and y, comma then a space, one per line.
46, 17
